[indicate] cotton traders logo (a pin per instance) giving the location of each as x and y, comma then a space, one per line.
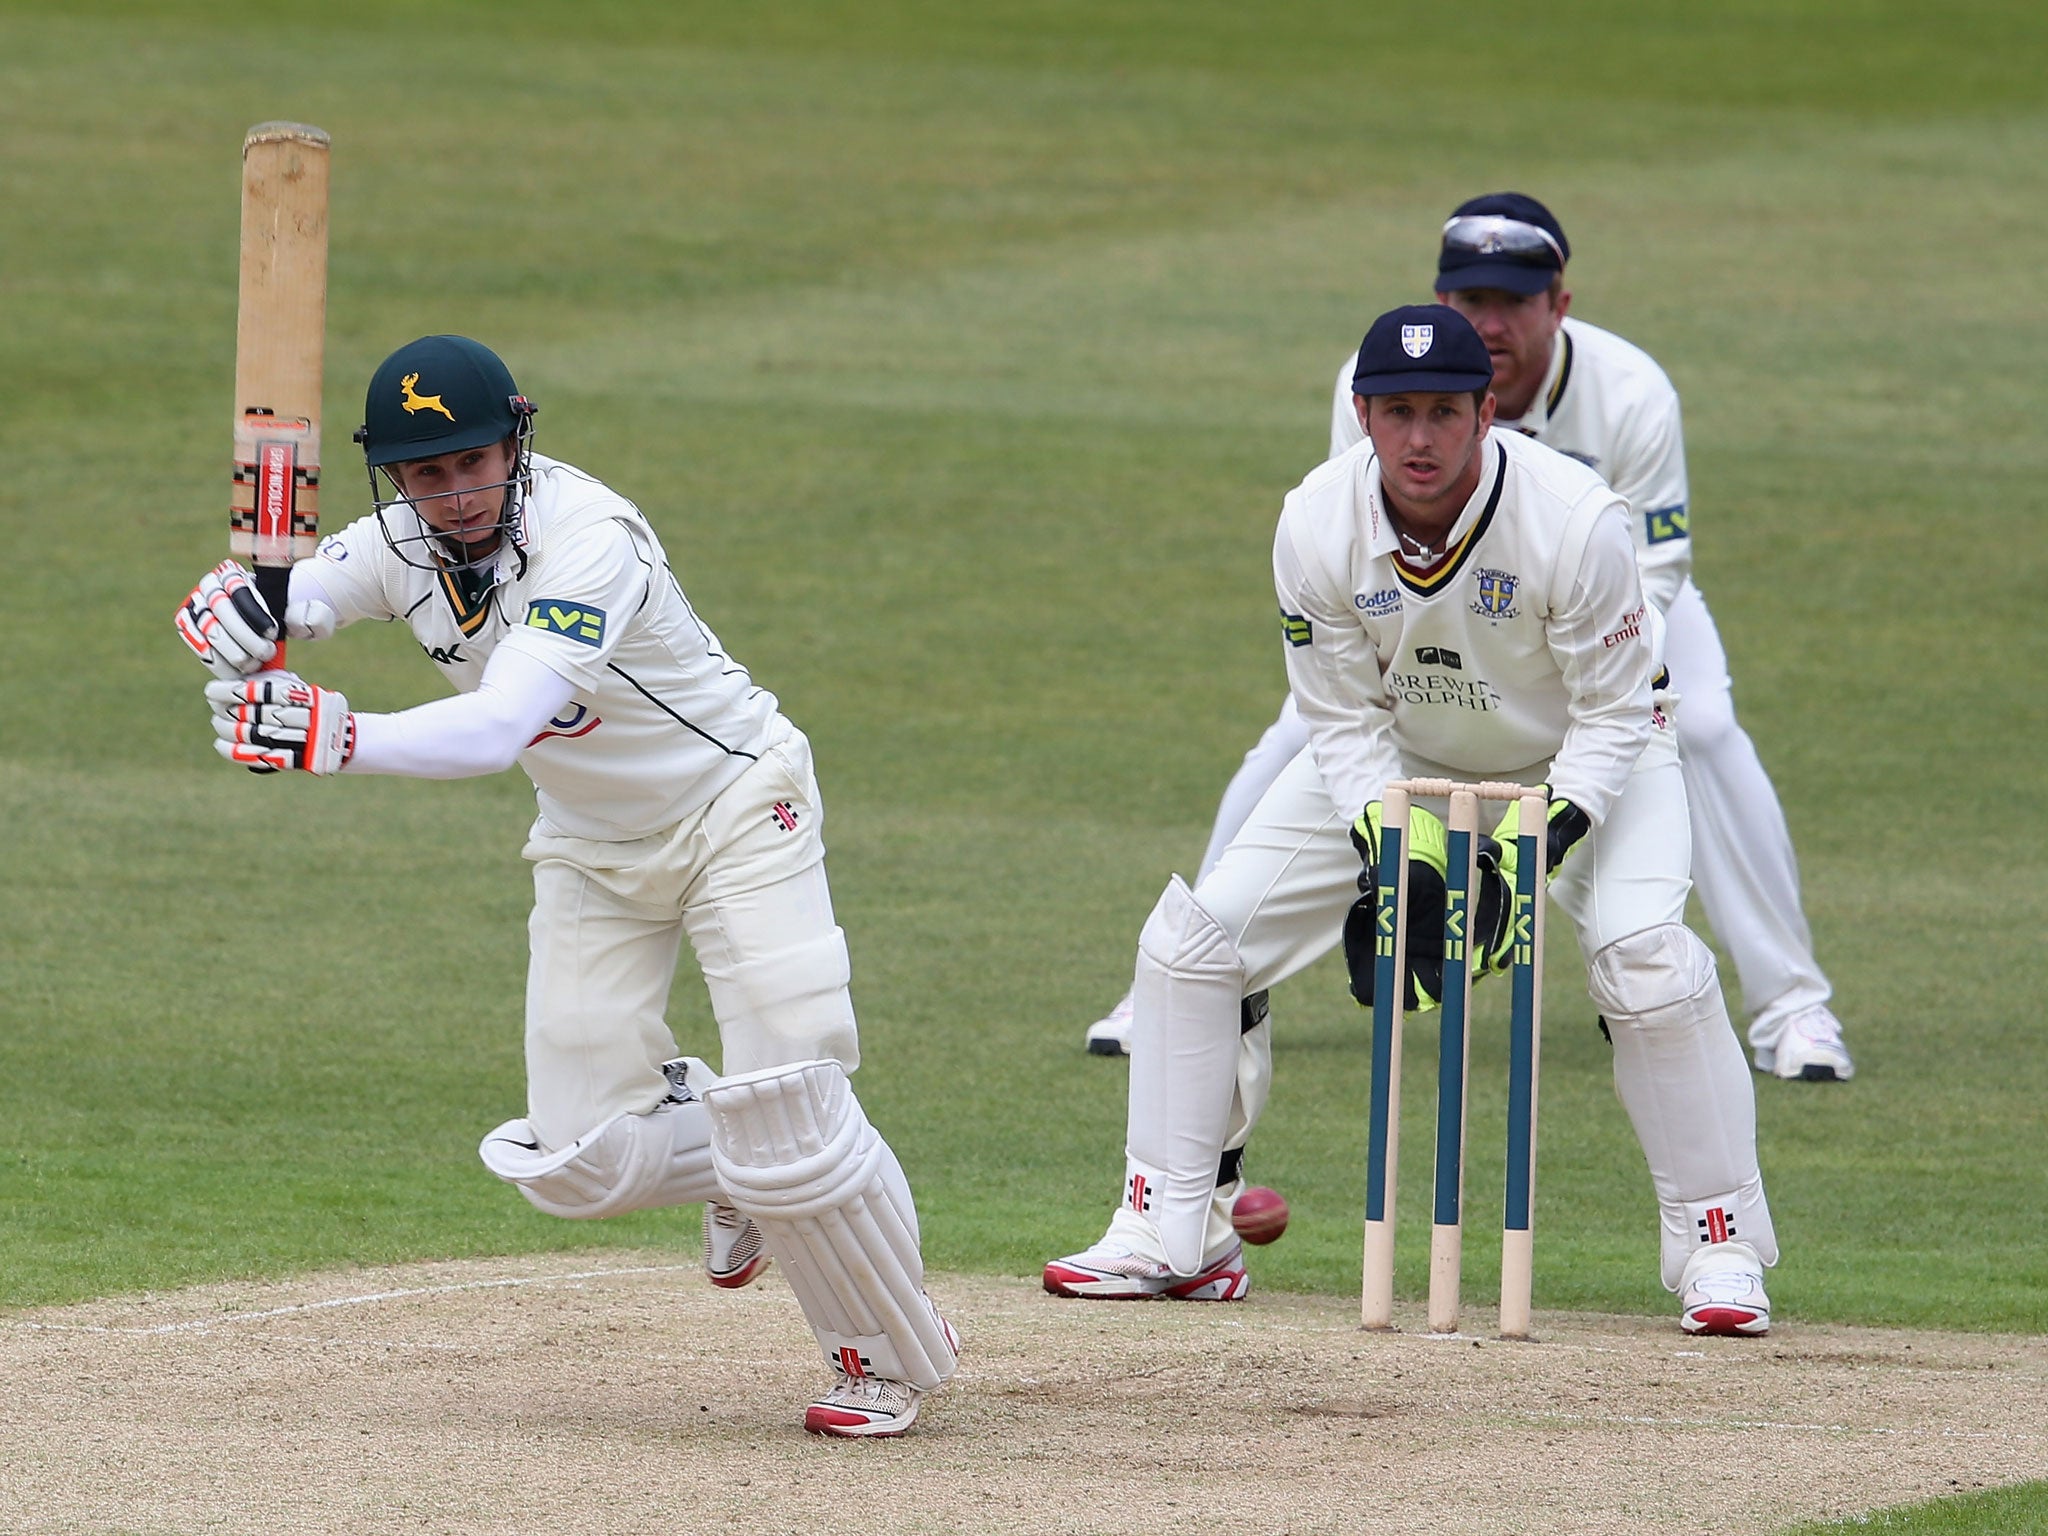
1377, 605
1416, 339
1496, 594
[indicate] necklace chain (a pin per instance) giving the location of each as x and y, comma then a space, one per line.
1418, 550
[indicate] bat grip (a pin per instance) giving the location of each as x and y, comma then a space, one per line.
274, 585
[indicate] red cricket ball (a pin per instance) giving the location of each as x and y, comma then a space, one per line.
1260, 1214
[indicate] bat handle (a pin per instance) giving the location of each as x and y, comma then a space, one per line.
274, 585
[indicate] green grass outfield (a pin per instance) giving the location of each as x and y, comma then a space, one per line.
962, 356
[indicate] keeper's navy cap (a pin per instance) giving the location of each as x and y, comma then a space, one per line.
1503, 240
1423, 347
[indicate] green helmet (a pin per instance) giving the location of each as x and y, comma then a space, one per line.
436, 395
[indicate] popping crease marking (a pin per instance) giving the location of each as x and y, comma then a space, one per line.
1659, 1421
205, 1324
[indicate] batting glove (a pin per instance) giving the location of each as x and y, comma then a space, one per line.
279, 721
226, 624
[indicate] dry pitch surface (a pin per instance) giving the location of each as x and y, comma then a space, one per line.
619, 1393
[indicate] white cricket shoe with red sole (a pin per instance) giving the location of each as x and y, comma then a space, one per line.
1722, 1292
869, 1407
1125, 1265
735, 1252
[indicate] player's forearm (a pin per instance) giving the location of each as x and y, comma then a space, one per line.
1350, 732
1611, 719
1664, 569
1604, 638
469, 734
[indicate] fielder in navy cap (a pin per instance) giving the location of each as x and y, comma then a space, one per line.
1502, 240
1421, 347
1422, 392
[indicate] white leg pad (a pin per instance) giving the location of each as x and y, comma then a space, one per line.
1187, 1003
1680, 1073
796, 1153
629, 1163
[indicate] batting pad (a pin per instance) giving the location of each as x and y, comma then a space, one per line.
1188, 1002
629, 1163
1680, 1073
795, 1152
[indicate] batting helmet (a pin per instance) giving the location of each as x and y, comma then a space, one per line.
436, 395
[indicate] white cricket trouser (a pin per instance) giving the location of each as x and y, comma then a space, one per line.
1743, 864
1742, 859
608, 922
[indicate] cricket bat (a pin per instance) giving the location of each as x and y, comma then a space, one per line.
280, 335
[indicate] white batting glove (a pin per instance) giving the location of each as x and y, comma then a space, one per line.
226, 624
280, 721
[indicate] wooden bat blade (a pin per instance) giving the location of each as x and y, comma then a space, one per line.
280, 333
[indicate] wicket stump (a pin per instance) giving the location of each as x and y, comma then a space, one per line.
1524, 1035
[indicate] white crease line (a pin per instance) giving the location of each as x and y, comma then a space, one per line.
202, 1324
1658, 1422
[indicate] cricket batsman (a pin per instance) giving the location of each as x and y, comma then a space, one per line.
1457, 601
674, 799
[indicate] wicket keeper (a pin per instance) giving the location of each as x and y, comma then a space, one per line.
1457, 601
1589, 393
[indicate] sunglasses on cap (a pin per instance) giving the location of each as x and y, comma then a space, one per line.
1494, 234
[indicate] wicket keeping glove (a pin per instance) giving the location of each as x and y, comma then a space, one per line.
279, 721
1567, 824
1424, 983
227, 625
1489, 910
1499, 863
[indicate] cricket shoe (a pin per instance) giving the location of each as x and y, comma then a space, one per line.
869, 1407
1722, 1292
1125, 1266
1807, 1047
735, 1252
1110, 1035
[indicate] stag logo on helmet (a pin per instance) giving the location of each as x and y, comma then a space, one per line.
579, 621
413, 404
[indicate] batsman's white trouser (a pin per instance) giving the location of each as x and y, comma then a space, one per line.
1742, 858
745, 879
1278, 897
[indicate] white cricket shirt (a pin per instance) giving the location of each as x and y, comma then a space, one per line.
658, 719
1528, 641
1606, 403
